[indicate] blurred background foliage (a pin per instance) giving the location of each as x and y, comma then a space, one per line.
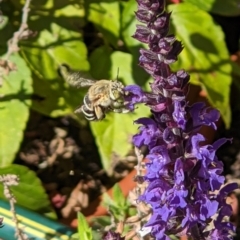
95, 36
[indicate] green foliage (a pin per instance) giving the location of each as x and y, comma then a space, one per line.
15, 101
118, 205
106, 18
30, 192
205, 55
95, 36
84, 231
113, 135
221, 7
87, 233
128, 23
48, 50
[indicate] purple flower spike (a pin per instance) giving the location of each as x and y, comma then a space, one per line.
185, 186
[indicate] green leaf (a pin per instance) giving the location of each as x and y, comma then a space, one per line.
84, 231
118, 196
52, 48
205, 55
30, 192
113, 135
42, 6
117, 205
221, 7
97, 224
74, 236
15, 102
129, 23
9, 23
3, 22
116, 211
69, 10
106, 17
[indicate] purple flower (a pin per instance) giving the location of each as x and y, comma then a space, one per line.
208, 209
110, 235
134, 94
179, 113
182, 173
201, 115
179, 189
191, 216
158, 163
148, 135
144, 34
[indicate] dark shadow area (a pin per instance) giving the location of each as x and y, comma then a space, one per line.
140, 76
202, 43
231, 28
101, 67
22, 95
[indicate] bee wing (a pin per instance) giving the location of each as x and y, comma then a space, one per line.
75, 78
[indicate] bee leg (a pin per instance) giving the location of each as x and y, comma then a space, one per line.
121, 110
99, 112
125, 110
117, 104
78, 109
118, 107
117, 110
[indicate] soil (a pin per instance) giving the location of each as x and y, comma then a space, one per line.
65, 157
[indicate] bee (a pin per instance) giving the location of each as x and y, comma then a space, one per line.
102, 96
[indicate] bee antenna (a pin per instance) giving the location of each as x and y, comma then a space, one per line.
65, 65
117, 73
61, 67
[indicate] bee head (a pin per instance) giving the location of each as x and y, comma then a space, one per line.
116, 90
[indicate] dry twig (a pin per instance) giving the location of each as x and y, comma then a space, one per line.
23, 32
7, 181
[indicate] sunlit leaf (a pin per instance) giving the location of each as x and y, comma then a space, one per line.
118, 196
70, 10
113, 135
205, 55
106, 17
129, 23
84, 231
29, 192
15, 101
44, 55
128, 29
221, 7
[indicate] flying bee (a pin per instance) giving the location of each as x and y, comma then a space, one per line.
102, 96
